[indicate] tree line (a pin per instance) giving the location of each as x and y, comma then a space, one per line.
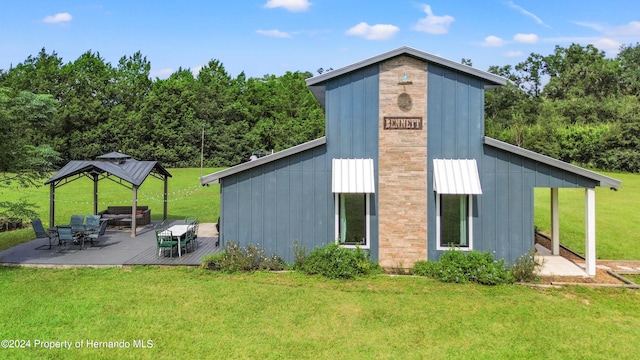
575, 104
86, 108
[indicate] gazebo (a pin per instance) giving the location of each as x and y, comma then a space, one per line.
117, 167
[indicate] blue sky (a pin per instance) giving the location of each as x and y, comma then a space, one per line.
274, 36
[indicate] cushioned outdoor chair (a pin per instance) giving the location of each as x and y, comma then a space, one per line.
40, 231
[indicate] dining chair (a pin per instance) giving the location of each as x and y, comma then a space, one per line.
77, 222
165, 240
95, 234
40, 231
65, 235
92, 222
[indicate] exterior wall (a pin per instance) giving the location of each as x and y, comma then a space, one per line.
402, 164
278, 203
507, 203
352, 132
456, 128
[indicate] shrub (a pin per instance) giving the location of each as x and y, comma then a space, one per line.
525, 268
460, 267
236, 258
336, 262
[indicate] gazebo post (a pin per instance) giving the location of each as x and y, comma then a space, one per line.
95, 194
52, 204
166, 189
134, 210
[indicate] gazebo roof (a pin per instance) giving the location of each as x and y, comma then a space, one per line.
114, 163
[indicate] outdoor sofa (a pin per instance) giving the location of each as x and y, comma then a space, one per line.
121, 215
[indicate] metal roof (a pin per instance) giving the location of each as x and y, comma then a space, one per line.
456, 176
116, 164
317, 83
352, 176
216, 176
602, 180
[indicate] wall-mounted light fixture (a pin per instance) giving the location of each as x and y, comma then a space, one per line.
405, 80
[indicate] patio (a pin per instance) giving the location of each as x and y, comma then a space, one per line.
115, 248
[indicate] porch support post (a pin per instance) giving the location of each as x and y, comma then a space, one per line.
134, 210
590, 230
52, 205
555, 222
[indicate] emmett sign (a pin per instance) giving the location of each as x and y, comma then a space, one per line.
402, 123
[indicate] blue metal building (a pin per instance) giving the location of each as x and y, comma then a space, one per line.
404, 170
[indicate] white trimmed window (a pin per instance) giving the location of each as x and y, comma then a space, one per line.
455, 181
352, 219
352, 184
454, 224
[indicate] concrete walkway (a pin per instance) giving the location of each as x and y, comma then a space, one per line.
556, 265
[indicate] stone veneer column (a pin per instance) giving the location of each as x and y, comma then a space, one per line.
402, 167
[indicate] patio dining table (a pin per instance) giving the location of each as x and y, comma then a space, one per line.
179, 232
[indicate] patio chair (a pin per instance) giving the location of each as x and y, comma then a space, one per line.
165, 241
40, 231
95, 234
77, 222
193, 222
92, 222
65, 235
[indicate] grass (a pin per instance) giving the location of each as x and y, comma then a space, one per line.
194, 313
186, 197
617, 218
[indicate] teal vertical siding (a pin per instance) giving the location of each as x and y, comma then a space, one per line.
290, 199
503, 214
455, 114
278, 203
352, 103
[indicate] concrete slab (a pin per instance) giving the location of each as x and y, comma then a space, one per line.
555, 265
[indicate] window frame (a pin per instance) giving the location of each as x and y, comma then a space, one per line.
367, 213
440, 246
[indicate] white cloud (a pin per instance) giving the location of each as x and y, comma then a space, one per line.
291, 5
274, 33
373, 32
513, 54
608, 45
526, 38
434, 24
594, 26
162, 73
58, 18
492, 41
630, 29
527, 13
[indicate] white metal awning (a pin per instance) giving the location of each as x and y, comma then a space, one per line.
456, 176
352, 176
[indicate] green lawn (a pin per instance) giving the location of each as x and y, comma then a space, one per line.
617, 218
193, 313
185, 197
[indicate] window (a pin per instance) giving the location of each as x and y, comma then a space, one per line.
453, 225
352, 219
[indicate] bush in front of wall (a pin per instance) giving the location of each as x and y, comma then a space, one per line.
336, 262
235, 258
462, 267
526, 267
